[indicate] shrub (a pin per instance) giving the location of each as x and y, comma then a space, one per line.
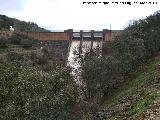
100, 74
27, 93
3, 42
22, 59
26, 43
42, 59
15, 39
45, 50
13, 56
20, 39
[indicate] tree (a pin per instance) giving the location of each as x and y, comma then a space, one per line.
23, 26
131, 49
100, 75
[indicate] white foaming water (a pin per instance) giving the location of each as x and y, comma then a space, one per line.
73, 60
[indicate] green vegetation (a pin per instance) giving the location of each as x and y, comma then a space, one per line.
3, 50
108, 73
20, 39
29, 93
130, 50
5, 22
139, 92
18, 25
3, 42
31, 86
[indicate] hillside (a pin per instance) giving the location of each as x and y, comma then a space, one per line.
6, 22
136, 99
12, 41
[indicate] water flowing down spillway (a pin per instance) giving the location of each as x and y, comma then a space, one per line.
73, 60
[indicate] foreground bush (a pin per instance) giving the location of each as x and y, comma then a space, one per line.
27, 93
100, 75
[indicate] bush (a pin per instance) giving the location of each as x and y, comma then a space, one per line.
3, 42
42, 59
14, 56
100, 74
26, 43
45, 50
27, 93
23, 59
28, 58
20, 39
15, 39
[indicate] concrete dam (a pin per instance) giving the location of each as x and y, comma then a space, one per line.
61, 45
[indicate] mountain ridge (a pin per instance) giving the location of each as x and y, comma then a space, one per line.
18, 25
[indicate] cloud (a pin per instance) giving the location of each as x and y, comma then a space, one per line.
11, 5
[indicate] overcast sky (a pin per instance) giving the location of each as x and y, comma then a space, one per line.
73, 14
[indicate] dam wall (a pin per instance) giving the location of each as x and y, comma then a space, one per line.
58, 43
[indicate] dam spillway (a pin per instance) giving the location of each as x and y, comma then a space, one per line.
60, 44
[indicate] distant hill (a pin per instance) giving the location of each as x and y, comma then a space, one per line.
6, 22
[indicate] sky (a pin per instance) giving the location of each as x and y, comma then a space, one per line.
73, 14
